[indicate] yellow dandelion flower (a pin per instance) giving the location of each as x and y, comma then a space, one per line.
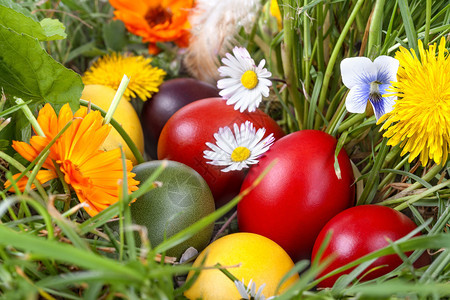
109, 70
420, 121
94, 174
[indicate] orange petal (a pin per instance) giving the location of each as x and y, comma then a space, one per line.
42, 176
135, 5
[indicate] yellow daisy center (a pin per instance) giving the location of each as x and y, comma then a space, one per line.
240, 154
249, 79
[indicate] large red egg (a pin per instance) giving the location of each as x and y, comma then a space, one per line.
173, 94
361, 230
299, 194
184, 138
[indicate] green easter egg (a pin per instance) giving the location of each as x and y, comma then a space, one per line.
183, 199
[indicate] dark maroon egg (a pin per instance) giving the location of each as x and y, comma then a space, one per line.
173, 95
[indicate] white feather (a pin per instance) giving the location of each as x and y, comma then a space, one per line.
215, 25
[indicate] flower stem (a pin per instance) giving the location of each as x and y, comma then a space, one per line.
372, 182
427, 22
115, 102
29, 115
374, 43
427, 177
421, 195
333, 58
290, 60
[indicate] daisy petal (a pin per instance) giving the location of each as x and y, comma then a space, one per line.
358, 71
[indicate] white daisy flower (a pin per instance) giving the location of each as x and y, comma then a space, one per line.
368, 81
247, 83
250, 292
238, 150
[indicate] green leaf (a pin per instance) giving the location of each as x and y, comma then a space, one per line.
46, 30
114, 35
28, 72
53, 29
17, 7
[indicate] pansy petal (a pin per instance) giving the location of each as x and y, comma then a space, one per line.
386, 68
384, 104
358, 71
356, 100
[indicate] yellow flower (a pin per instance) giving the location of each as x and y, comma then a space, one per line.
93, 174
109, 70
275, 11
420, 121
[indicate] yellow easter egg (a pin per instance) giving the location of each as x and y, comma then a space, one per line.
125, 115
259, 258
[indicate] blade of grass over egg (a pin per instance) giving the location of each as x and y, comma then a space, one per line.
420, 242
340, 144
119, 129
124, 200
115, 101
346, 279
187, 233
299, 267
99, 219
435, 271
149, 183
189, 282
303, 284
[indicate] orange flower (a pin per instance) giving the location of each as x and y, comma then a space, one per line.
94, 174
156, 20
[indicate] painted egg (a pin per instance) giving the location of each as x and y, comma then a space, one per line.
361, 230
183, 199
173, 94
248, 257
184, 138
298, 196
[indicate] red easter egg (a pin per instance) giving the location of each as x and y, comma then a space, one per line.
173, 94
300, 194
184, 138
361, 230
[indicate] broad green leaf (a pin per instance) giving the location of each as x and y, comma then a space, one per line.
53, 29
28, 72
46, 30
17, 7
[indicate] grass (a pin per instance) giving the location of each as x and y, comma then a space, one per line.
49, 252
